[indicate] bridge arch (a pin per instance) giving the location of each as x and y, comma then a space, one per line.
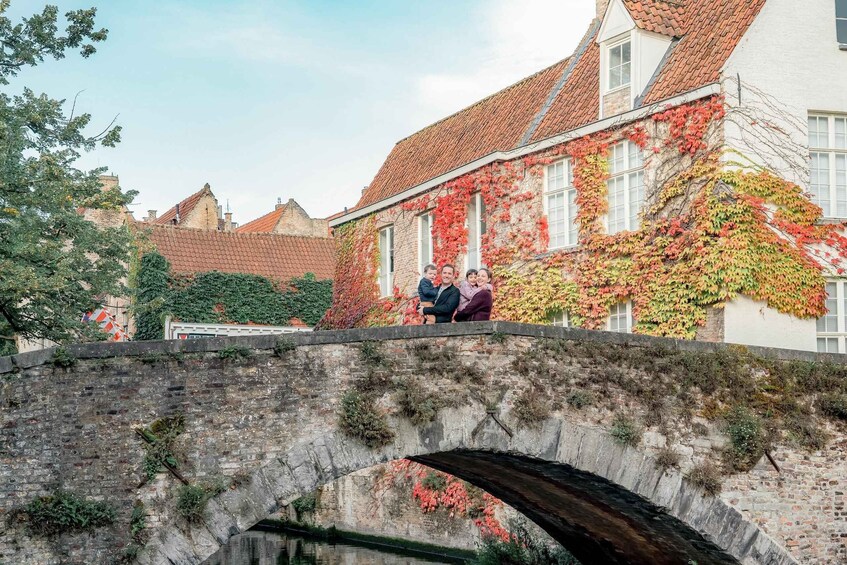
605, 502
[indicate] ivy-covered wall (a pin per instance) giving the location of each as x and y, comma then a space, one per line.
219, 298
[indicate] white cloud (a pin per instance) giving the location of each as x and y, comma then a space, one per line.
517, 39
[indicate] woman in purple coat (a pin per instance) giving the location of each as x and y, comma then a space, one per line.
479, 308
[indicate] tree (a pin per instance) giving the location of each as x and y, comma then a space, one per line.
54, 264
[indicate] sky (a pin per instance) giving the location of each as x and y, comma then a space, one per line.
288, 99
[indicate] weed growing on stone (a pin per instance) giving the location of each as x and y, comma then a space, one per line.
233, 353
65, 512
370, 354
360, 419
521, 548
160, 437
748, 439
434, 481
626, 430
532, 406
426, 353
284, 346
667, 458
706, 476
579, 399
192, 499
415, 402
63, 358
497, 337
834, 406
306, 504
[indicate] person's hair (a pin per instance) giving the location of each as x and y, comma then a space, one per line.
429, 267
446, 265
487, 272
470, 272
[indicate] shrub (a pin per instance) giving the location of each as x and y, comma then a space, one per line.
137, 522
497, 337
579, 399
62, 358
234, 352
371, 355
834, 406
626, 430
667, 458
747, 437
284, 346
532, 405
63, 512
191, 499
706, 476
359, 418
434, 481
305, 504
162, 433
415, 403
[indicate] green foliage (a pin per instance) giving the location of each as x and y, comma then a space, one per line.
706, 476
416, 403
306, 504
64, 512
626, 430
748, 439
497, 337
434, 481
234, 352
522, 548
834, 406
216, 298
191, 499
151, 291
370, 354
63, 358
56, 265
162, 434
137, 522
284, 346
360, 419
579, 399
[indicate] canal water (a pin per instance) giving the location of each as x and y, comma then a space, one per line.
284, 548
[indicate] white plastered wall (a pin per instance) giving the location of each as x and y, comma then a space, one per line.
788, 60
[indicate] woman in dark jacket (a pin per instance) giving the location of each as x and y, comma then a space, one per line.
479, 308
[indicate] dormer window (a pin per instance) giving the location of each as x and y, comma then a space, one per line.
620, 65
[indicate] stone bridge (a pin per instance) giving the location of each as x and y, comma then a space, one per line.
526, 412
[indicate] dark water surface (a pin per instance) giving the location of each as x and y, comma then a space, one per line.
283, 548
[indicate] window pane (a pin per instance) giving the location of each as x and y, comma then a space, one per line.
615, 57
625, 52
617, 212
841, 133
426, 241
636, 199
618, 318
827, 345
820, 181
625, 74
556, 219
841, 31
560, 319
818, 131
841, 185
614, 77
473, 234
573, 230
616, 158
828, 323
841, 8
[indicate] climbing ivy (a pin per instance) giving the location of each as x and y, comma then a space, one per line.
216, 297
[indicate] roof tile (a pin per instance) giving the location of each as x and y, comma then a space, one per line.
263, 224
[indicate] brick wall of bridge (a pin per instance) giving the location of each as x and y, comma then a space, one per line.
73, 428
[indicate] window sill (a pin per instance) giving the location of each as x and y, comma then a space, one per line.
618, 89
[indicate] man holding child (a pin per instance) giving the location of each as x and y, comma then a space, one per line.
439, 304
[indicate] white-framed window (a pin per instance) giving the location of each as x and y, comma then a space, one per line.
620, 317
620, 64
560, 204
841, 22
424, 240
828, 163
386, 261
832, 326
476, 229
625, 186
560, 319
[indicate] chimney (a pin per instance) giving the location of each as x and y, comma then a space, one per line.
176, 219
279, 203
601, 8
151, 215
364, 189
228, 221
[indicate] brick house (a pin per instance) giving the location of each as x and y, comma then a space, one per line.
641, 184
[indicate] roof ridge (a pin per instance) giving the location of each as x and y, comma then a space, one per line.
480, 101
176, 228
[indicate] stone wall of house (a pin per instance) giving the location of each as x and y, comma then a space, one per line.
267, 424
295, 221
617, 102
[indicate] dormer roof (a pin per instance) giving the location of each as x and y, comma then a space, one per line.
665, 17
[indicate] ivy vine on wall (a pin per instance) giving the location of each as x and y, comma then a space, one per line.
216, 297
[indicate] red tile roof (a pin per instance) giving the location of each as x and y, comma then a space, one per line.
185, 207
275, 256
666, 17
710, 30
263, 224
494, 123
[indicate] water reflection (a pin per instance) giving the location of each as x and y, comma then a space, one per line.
273, 548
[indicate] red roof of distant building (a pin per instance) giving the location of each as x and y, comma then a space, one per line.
185, 207
263, 224
520, 114
275, 256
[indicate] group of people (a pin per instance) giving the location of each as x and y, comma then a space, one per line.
470, 301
